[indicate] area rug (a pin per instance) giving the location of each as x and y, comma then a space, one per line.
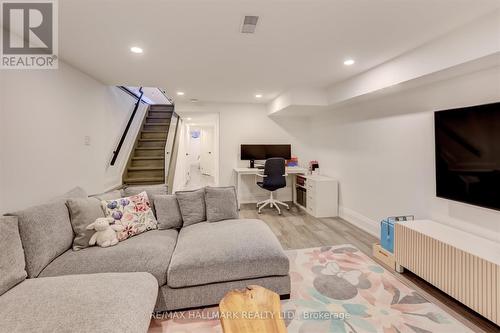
336, 289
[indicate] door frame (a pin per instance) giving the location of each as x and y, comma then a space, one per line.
201, 119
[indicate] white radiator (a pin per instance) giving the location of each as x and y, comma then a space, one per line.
470, 274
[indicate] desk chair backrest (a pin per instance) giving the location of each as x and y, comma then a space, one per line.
274, 169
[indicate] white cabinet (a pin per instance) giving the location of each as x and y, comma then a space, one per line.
321, 196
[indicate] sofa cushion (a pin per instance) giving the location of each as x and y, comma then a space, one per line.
148, 252
11, 255
76, 192
168, 212
232, 250
46, 233
192, 205
221, 203
83, 212
113, 303
133, 213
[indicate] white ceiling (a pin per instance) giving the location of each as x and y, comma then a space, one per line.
195, 45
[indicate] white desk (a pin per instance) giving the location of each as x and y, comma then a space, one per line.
249, 171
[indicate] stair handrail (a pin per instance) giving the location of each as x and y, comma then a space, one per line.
129, 91
116, 152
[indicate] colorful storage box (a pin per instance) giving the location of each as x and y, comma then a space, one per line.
387, 231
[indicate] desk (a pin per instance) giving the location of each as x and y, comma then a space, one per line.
252, 171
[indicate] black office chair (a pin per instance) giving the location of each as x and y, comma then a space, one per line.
274, 178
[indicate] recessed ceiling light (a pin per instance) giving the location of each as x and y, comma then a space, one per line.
180, 93
194, 100
189, 119
136, 49
258, 96
349, 62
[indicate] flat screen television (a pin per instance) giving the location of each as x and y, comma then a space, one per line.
263, 152
468, 155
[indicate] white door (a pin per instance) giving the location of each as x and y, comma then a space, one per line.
207, 151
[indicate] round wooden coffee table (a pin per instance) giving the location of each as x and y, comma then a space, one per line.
254, 310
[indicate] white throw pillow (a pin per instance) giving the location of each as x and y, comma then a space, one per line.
134, 213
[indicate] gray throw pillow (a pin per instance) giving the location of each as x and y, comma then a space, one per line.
12, 255
46, 233
76, 192
192, 205
168, 212
221, 203
83, 212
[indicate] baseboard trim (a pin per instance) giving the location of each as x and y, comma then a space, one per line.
360, 221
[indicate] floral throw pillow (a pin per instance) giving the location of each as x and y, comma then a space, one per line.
134, 213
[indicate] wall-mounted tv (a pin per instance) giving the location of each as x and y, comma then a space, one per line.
468, 155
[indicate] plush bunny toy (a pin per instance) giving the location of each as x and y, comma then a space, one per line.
105, 234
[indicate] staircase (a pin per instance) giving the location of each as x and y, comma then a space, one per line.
146, 165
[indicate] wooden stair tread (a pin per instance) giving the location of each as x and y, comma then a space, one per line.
144, 179
151, 140
145, 168
148, 158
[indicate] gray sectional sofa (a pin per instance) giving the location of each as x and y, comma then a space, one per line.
159, 270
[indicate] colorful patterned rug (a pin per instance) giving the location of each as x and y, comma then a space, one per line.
336, 289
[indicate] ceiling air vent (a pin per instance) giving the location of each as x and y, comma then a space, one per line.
249, 24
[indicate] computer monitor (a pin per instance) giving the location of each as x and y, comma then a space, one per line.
263, 152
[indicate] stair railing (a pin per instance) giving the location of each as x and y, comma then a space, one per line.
116, 152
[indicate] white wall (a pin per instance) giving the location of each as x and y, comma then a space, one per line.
249, 123
45, 115
382, 152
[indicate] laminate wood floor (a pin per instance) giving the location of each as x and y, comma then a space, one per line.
297, 230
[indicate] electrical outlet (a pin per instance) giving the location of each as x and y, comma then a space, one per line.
86, 140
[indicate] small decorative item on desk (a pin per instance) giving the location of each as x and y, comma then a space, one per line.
314, 167
293, 162
387, 230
